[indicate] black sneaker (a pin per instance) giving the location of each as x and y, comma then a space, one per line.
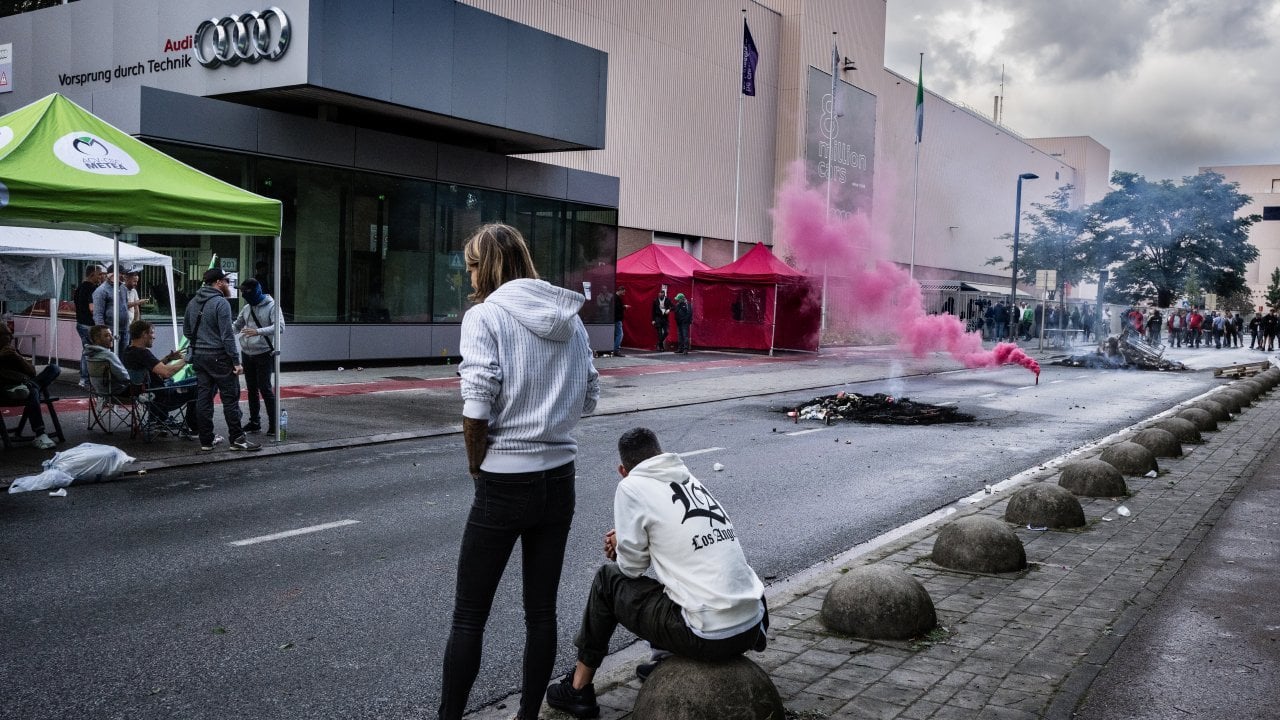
253, 427
243, 443
578, 703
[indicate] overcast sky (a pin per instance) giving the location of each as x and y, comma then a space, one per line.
1167, 86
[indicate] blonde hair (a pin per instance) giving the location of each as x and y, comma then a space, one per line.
498, 254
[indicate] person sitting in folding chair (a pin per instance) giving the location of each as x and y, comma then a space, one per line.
107, 374
156, 375
17, 375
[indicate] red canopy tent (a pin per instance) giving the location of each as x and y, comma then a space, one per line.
642, 273
757, 302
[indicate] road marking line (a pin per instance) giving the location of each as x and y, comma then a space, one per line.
1054, 382
804, 432
989, 395
291, 533
1026, 387
703, 451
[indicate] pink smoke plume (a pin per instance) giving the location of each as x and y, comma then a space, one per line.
868, 290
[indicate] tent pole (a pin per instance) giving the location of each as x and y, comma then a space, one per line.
773, 327
173, 300
55, 267
115, 293
275, 287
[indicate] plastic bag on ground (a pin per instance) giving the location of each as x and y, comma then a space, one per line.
51, 478
90, 462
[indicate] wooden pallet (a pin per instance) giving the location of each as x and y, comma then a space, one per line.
1239, 371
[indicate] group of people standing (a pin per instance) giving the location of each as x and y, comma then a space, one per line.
527, 377
222, 346
1025, 321
662, 312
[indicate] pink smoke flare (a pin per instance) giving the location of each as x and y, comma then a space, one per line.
877, 294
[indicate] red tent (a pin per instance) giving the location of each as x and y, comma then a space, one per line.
642, 273
757, 302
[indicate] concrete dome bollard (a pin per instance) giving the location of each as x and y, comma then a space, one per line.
1233, 401
1044, 505
1093, 478
684, 689
879, 602
1252, 388
1130, 458
1202, 418
979, 543
1182, 428
1218, 410
1270, 378
1161, 443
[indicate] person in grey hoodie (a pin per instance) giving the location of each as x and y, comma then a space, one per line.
259, 332
527, 378
111, 308
207, 326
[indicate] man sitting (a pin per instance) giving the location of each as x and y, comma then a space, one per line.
145, 369
706, 603
107, 375
19, 382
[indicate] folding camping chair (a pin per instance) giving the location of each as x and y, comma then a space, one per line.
110, 410
163, 411
16, 434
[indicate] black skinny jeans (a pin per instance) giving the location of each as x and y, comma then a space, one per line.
257, 380
536, 508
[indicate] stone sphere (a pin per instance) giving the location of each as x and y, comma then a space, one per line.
1161, 443
879, 602
1182, 428
1203, 419
1252, 388
684, 689
1232, 400
1093, 478
1044, 505
1269, 378
979, 543
1215, 408
1130, 458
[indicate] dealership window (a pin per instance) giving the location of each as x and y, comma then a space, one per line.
368, 248
1271, 213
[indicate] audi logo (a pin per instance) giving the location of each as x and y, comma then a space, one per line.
250, 37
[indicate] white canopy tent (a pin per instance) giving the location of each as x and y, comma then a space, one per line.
22, 250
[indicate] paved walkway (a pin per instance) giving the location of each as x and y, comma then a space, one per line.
1074, 627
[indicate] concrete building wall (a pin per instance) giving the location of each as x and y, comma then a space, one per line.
1262, 183
1091, 160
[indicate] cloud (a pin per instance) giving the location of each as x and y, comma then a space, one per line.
1167, 86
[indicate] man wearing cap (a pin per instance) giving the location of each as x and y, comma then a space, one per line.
684, 321
111, 308
216, 357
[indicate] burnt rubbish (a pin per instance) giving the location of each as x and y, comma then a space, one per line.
1126, 351
877, 408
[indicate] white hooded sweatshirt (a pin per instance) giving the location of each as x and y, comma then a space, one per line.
526, 368
666, 519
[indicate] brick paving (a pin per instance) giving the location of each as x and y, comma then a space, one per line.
1019, 645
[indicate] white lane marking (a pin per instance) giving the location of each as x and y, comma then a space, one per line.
804, 432
989, 395
291, 533
1054, 382
1026, 387
703, 451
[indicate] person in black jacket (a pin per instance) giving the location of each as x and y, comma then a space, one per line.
661, 317
82, 296
684, 321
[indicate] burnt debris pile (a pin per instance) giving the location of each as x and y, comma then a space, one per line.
877, 408
1128, 351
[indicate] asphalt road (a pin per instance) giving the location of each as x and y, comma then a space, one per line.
165, 596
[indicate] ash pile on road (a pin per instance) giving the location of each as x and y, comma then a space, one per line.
1124, 352
878, 408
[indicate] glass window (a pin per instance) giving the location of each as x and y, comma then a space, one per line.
593, 249
459, 211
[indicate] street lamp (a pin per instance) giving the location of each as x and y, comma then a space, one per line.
1017, 222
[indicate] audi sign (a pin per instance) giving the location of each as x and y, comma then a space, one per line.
253, 36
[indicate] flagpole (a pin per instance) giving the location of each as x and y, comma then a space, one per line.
737, 173
915, 183
831, 156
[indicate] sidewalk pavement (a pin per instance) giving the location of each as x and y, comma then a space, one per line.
1024, 645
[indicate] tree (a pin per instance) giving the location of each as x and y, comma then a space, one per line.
13, 7
1164, 233
1058, 238
1273, 290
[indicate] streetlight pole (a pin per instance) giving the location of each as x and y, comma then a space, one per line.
1013, 284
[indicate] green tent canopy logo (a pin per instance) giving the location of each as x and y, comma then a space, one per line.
6, 136
91, 153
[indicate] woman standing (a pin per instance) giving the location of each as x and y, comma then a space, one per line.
527, 377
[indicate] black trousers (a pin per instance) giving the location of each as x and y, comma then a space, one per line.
216, 374
258, 370
641, 606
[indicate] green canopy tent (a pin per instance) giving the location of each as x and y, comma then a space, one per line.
63, 167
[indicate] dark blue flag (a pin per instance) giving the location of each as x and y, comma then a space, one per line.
750, 56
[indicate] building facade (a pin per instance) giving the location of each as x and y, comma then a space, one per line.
391, 128
1262, 183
